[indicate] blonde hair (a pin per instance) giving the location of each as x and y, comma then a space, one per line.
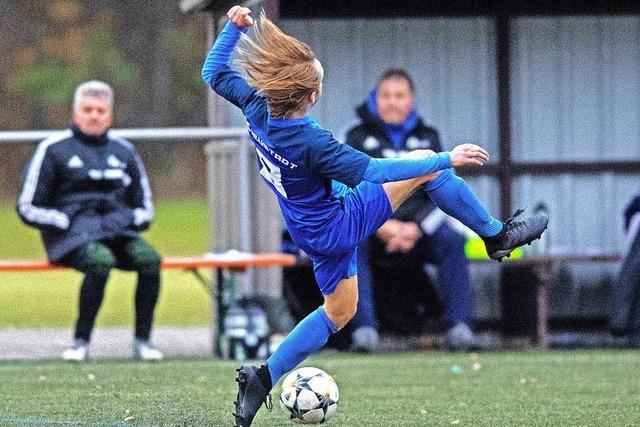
281, 67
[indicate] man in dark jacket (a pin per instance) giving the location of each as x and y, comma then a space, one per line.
89, 196
390, 127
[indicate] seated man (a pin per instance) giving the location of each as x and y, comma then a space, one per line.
390, 127
625, 302
89, 196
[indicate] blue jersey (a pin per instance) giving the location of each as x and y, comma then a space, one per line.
307, 169
303, 164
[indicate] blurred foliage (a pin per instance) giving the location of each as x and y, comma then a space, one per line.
186, 55
106, 62
65, 42
51, 79
45, 83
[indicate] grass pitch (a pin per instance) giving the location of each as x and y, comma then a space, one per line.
585, 388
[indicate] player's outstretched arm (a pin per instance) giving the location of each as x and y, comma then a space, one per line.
387, 170
349, 166
217, 72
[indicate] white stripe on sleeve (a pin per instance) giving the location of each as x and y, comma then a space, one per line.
145, 213
30, 212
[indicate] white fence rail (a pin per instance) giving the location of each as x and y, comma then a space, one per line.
138, 134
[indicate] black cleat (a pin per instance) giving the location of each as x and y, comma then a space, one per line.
515, 234
252, 393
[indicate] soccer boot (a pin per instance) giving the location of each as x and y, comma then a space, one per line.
252, 393
515, 234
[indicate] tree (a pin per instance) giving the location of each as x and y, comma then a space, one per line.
78, 44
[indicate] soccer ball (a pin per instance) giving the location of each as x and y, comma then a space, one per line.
309, 396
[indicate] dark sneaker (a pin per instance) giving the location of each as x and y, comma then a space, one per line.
252, 393
515, 234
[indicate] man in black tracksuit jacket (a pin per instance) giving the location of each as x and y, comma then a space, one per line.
89, 196
389, 127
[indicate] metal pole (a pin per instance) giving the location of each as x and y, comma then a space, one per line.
220, 309
503, 62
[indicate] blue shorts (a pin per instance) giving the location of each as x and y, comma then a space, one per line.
366, 208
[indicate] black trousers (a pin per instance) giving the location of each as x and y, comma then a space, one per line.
96, 260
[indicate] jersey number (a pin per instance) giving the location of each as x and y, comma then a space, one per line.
271, 173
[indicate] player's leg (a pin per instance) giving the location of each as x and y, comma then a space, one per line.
314, 330
341, 305
399, 191
454, 197
95, 260
305, 339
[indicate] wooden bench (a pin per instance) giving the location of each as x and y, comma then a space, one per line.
221, 263
543, 267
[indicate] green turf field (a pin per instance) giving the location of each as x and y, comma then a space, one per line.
32, 300
585, 388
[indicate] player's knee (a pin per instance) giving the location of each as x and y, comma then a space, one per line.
432, 176
341, 313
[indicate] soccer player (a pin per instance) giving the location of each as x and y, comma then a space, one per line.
331, 195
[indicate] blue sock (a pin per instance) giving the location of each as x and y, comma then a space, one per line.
454, 197
305, 339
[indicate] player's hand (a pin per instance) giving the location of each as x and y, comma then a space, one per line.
468, 154
239, 16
